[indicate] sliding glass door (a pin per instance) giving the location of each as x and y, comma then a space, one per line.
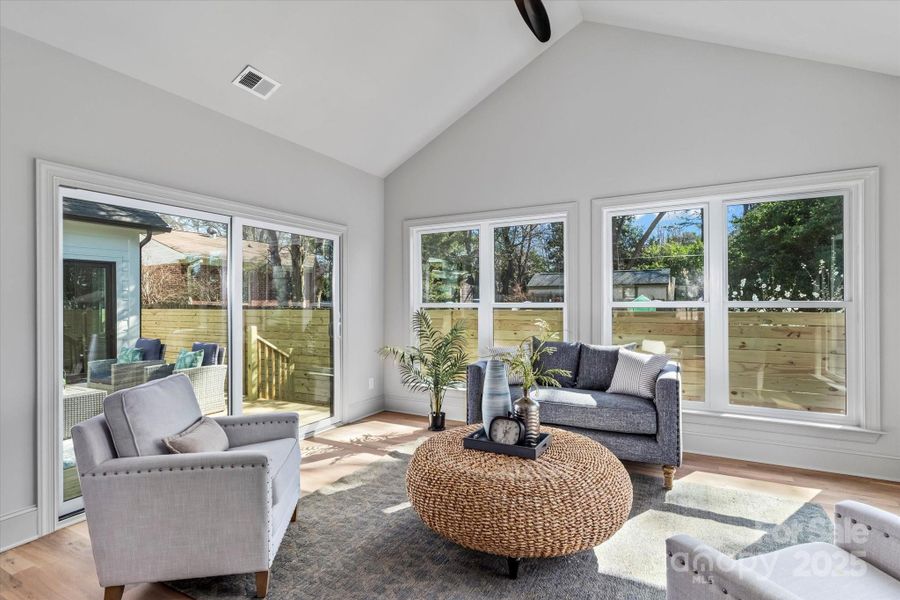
290, 315
149, 292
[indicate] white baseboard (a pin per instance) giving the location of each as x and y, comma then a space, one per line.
454, 405
354, 411
18, 527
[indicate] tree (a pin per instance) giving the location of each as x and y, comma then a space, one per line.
790, 249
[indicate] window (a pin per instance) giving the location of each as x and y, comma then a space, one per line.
657, 294
757, 290
501, 277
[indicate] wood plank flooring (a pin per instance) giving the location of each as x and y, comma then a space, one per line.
60, 566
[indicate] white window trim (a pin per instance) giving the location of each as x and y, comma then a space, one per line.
860, 190
486, 222
49, 178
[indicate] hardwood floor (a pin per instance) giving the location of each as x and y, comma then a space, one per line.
60, 566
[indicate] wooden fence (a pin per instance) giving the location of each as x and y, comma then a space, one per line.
288, 352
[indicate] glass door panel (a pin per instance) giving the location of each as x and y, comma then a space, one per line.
145, 296
289, 312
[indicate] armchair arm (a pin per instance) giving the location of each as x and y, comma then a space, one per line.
252, 429
695, 571
99, 368
182, 510
474, 387
668, 410
870, 533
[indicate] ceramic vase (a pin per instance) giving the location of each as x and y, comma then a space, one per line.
529, 412
495, 399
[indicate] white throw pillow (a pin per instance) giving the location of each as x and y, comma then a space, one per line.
206, 435
636, 373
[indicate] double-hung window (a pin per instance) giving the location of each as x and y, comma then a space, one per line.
501, 276
764, 292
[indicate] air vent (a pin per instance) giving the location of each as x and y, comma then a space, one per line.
256, 83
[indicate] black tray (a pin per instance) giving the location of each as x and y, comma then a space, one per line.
480, 441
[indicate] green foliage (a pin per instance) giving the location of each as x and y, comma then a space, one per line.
525, 360
437, 364
521, 251
450, 266
787, 250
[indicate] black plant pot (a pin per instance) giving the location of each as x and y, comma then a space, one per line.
436, 421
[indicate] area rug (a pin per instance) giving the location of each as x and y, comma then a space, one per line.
359, 539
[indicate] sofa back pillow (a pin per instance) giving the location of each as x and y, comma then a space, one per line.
636, 373
140, 417
596, 367
566, 357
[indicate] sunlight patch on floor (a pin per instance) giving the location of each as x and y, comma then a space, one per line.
396, 508
620, 556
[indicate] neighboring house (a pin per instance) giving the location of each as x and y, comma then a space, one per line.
101, 278
653, 284
546, 287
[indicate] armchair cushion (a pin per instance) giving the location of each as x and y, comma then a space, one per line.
821, 571
153, 348
282, 455
210, 352
130, 355
566, 356
140, 417
189, 360
203, 436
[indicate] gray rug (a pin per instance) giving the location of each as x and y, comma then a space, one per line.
358, 539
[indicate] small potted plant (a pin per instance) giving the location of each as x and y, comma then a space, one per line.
525, 362
436, 364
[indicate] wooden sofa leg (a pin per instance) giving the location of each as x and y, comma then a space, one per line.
113, 592
294, 516
262, 584
668, 476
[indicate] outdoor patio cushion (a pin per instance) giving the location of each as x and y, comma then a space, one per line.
189, 360
152, 348
596, 367
600, 411
130, 355
280, 470
832, 574
140, 417
565, 357
210, 352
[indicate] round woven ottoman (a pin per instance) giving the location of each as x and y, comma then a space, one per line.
575, 496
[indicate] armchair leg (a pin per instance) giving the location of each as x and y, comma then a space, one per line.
262, 584
113, 592
294, 516
668, 476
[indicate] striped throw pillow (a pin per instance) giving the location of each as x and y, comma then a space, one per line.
636, 373
497, 352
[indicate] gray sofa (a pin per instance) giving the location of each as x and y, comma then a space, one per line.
863, 563
156, 516
635, 429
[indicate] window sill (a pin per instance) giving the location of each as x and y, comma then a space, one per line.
783, 426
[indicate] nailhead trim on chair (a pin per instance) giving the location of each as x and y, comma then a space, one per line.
255, 423
200, 468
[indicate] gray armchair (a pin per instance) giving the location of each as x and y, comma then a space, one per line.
863, 562
155, 516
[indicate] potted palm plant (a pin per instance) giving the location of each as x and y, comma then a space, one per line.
436, 364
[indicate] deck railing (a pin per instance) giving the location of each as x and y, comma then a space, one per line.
268, 368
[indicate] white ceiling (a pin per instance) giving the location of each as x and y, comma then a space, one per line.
370, 83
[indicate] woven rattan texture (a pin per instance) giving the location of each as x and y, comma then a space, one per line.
575, 496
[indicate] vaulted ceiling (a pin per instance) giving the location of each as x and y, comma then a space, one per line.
371, 82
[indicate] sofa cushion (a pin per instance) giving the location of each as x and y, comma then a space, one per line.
600, 411
833, 573
140, 417
210, 352
284, 459
636, 373
596, 366
565, 357
152, 348
203, 436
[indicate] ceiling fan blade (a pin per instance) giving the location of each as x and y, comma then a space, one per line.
535, 16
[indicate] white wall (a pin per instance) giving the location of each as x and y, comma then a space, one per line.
610, 111
62, 108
